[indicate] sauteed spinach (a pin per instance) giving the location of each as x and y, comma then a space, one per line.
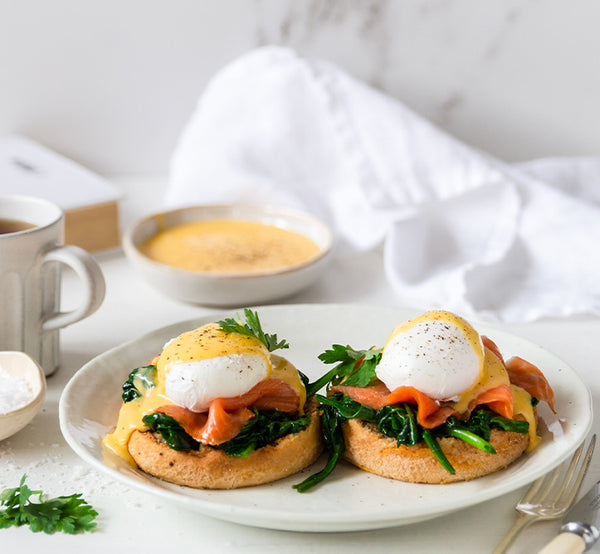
265, 428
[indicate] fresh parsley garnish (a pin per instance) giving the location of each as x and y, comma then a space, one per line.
354, 368
252, 328
68, 514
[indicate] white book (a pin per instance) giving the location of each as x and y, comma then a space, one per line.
89, 201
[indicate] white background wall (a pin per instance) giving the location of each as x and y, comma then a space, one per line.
110, 83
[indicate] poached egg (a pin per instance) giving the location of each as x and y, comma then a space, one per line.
207, 363
437, 353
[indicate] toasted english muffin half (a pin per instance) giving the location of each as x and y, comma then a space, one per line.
211, 468
372, 451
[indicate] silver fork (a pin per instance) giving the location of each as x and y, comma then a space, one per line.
551, 495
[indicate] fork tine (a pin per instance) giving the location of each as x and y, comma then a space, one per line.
531, 507
575, 478
557, 481
571, 481
535, 488
546, 486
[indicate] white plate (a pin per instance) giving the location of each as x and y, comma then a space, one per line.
350, 499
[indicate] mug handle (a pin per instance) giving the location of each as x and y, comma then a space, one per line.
88, 270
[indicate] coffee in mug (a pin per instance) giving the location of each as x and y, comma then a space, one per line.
13, 225
32, 251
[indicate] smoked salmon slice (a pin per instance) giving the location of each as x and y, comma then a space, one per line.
499, 399
491, 345
270, 394
527, 376
374, 395
524, 374
430, 413
377, 396
223, 425
438, 417
227, 416
426, 406
213, 427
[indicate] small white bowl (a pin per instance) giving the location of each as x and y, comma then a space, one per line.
230, 289
19, 364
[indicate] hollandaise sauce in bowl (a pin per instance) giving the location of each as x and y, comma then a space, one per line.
227, 255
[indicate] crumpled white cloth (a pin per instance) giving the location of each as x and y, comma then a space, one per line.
461, 230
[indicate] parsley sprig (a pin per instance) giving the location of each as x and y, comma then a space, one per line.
68, 514
252, 328
354, 367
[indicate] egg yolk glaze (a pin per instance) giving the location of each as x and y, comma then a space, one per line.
439, 362
207, 380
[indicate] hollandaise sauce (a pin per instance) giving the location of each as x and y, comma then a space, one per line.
493, 374
228, 246
130, 420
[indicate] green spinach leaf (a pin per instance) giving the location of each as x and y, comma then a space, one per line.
171, 431
139, 381
348, 408
333, 437
266, 427
399, 422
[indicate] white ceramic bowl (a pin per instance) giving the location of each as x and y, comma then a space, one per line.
230, 289
18, 364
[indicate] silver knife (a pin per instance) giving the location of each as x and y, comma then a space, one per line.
581, 526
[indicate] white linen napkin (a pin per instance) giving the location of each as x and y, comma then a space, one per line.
461, 230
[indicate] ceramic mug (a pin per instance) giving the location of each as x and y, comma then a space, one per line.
31, 254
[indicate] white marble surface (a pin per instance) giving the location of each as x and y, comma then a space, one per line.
110, 84
130, 520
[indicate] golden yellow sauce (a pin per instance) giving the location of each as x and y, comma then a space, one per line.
202, 343
522, 406
208, 342
286, 372
130, 420
228, 246
492, 374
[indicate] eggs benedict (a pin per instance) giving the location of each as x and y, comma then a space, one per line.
217, 409
438, 403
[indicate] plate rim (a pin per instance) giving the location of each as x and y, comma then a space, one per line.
306, 521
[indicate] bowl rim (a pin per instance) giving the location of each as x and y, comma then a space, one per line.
269, 209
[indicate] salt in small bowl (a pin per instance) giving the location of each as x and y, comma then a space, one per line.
19, 364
